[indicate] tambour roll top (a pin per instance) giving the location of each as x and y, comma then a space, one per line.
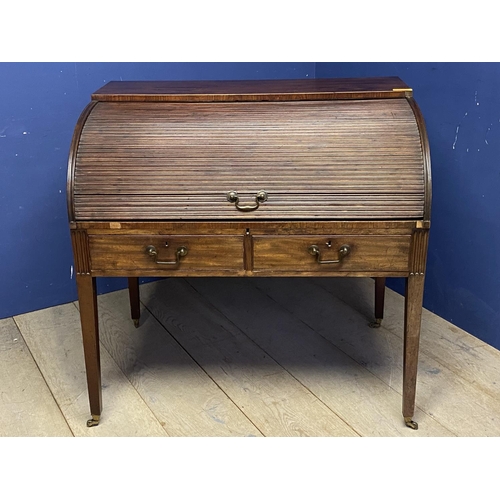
303, 149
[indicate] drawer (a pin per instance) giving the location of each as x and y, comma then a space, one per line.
155, 255
331, 253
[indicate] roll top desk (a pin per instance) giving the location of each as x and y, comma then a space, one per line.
250, 178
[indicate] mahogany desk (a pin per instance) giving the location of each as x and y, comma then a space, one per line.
250, 178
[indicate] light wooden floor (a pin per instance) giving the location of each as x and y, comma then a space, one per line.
245, 357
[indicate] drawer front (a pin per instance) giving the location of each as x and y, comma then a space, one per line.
154, 255
331, 253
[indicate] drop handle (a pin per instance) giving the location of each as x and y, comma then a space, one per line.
179, 253
316, 252
233, 197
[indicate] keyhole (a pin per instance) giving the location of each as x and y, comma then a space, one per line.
329, 244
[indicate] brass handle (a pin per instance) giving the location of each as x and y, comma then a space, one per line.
180, 252
233, 197
343, 251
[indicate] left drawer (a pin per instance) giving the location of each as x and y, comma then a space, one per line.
157, 255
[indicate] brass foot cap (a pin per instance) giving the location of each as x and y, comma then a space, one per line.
410, 423
136, 323
93, 421
376, 323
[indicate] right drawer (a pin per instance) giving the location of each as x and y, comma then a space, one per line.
331, 253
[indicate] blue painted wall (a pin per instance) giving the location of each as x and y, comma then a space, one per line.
461, 106
40, 103
39, 106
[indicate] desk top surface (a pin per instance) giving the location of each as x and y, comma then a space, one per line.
253, 90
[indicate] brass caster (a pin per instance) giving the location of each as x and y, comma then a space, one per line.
376, 323
93, 421
136, 323
410, 423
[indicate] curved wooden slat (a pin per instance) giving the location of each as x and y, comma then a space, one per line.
356, 159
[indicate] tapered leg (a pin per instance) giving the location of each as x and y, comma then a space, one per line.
379, 302
87, 296
413, 317
133, 292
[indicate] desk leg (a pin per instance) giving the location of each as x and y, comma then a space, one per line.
133, 293
413, 316
379, 302
87, 296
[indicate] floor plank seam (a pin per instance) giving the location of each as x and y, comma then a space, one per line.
422, 350
456, 373
348, 355
465, 374
142, 399
201, 367
43, 376
103, 347
138, 393
277, 362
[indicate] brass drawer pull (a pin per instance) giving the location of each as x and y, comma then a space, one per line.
181, 252
343, 251
233, 197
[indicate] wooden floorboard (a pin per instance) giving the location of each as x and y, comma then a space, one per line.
270, 397
463, 408
465, 355
182, 396
370, 406
245, 357
27, 407
54, 338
